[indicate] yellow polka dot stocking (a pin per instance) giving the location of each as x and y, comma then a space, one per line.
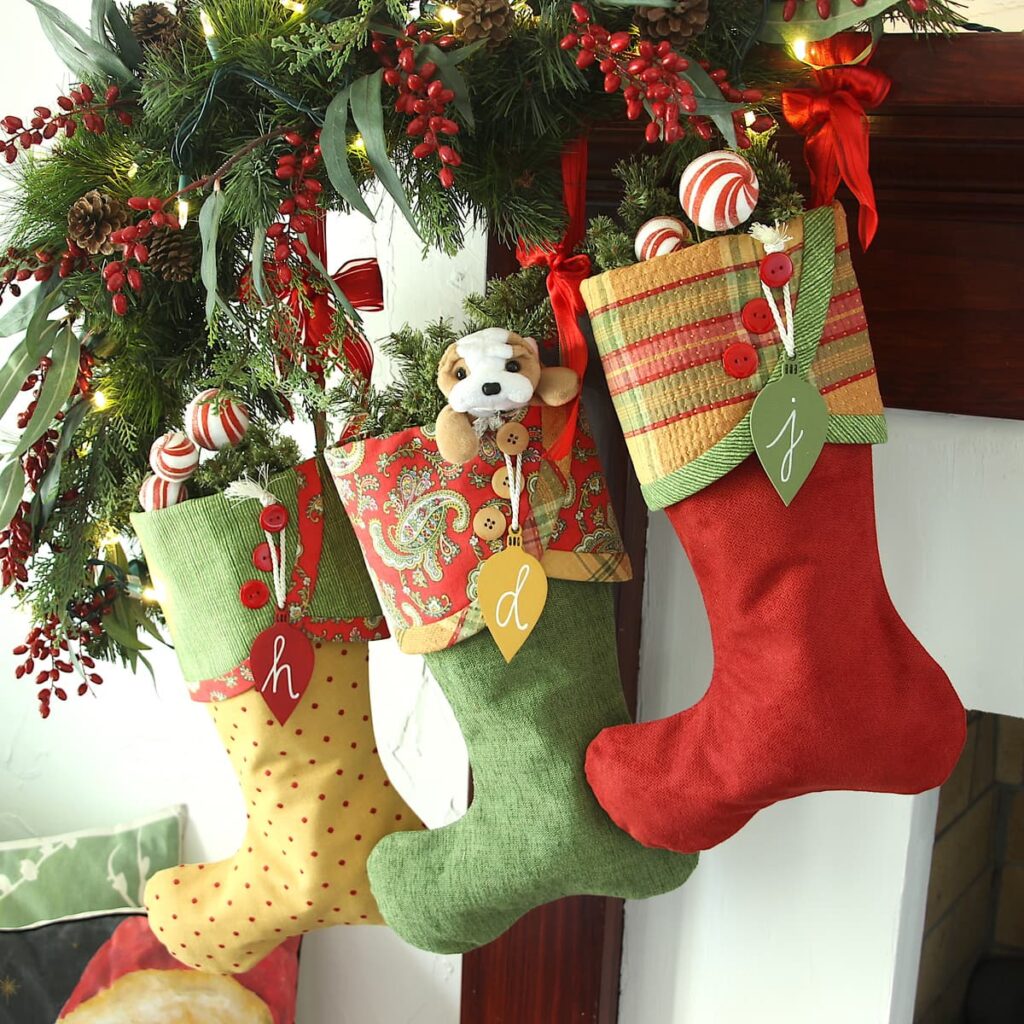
318, 800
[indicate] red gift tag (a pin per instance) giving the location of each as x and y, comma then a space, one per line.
282, 664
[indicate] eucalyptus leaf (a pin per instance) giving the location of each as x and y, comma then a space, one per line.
368, 114
806, 24
97, 54
17, 319
49, 486
60, 379
23, 360
12, 489
334, 146
127, 45
340, 297
209, 227
710, 102
259, 277
449, 73
98, 21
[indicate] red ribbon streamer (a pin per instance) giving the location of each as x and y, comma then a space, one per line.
360, 282
833, 122
565, 274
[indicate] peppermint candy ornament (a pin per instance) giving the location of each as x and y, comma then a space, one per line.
718, 191
157, 493
659, 236
215, 425
174, 456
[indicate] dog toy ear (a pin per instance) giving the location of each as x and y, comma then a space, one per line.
531, 343
456, 439
446, 369
558, 385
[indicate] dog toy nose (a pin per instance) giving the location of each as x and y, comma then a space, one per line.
491, 388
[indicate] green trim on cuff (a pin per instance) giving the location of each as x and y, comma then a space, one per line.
737, 445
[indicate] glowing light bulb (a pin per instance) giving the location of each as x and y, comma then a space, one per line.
800, 49
294, 6
749, 118
447, 14
359, 143
210, 31
183, 212
100, 401
154, 593
133, 170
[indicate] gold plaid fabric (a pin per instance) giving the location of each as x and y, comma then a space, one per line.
662, 327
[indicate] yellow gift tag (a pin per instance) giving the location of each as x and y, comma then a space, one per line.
513, 589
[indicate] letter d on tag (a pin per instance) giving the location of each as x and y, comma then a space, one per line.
513, 590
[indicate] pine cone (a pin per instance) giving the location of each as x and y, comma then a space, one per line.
483, 19
93, 219
172, 254
677, 24
156, 25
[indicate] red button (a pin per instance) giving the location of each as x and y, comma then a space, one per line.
776, 269
740, 359
274, 518
757, 316
262, 559
254, 594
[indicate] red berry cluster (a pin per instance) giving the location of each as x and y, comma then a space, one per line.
80, 107
16, 549
51, 648
824, 7
132, 242
650, 78
422, 96
301, 209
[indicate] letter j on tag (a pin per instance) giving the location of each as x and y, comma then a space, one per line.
513, 589
788, 424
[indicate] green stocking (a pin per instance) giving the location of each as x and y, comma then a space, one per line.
534, 832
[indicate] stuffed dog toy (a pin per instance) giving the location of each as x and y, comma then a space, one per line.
487, 374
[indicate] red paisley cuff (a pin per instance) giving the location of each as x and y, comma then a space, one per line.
414, 515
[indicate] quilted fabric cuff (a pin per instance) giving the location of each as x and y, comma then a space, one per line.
663, 328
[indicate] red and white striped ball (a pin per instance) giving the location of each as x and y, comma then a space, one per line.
659, 236
214, 425
718, 191
157, 493
174, 456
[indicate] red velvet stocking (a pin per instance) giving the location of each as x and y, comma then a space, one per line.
818, 683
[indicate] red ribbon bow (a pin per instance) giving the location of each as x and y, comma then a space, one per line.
833, 122
565, 274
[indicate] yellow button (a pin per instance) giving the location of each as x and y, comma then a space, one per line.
489, 524
513, 439
499, 482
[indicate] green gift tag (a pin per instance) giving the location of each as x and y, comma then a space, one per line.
788, 422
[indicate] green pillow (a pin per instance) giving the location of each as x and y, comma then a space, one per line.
87, 873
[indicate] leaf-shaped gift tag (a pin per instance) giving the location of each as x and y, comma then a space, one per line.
513, 589
788, 423
282, 661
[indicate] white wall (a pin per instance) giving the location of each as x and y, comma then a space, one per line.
813, 912
142, 745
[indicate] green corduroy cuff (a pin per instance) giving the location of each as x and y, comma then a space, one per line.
199, 554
